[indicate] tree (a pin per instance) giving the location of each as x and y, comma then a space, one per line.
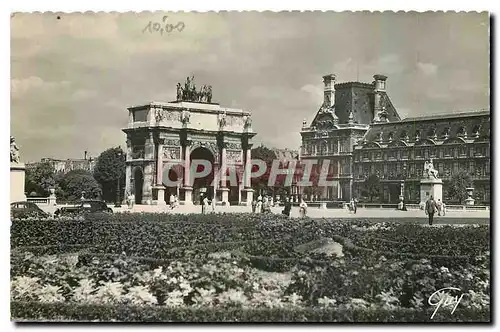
268, 156
40, 179
372, 186
458, 184
72, 184
109, 168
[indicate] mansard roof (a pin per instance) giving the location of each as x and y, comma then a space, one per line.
325, 118
426, 130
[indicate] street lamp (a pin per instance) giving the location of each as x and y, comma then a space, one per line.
118, 202
403, 188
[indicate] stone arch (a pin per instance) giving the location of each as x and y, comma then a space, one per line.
454, 140
371, 145
210, 146
398, 143
204, 183
138, 183
425, 141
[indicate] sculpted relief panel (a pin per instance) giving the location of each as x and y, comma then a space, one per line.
171, 152
234, 157
162, 115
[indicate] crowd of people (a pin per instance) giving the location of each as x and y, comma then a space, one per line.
264, 204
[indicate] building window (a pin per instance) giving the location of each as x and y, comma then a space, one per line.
455, 167
463, 151
140, 115
365, 155
426, 153
471, 166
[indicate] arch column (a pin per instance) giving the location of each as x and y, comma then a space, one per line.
223, 186
187, 188
160, 188
247, 191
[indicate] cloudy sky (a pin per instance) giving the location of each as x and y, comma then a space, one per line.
72, 78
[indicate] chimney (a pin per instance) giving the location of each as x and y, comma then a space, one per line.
380, 82
329, 93
378, 89
85, 155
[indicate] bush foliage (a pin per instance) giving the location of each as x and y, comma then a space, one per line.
161, 267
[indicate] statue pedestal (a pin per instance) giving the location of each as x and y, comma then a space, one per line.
17, 174
431, 187
224, 194
246, 196
469, 200
188, 195
161, 195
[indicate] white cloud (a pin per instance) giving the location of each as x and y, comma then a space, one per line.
315, 92
20, 87
427, 68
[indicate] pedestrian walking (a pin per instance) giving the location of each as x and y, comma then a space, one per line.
439, 206
430, 209
355, 205
172, 201
351, 205
265, 206
288, 207
206, 204
258, 206
254, 205
302, 208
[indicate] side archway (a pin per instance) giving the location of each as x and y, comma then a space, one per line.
138, 183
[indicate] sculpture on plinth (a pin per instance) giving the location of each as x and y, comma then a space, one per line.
430, 170
190, 93
14, 151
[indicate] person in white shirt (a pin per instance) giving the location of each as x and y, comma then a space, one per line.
302, 208
172, 201
205, 204
258, 206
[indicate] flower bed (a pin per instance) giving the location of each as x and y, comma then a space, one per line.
211, 268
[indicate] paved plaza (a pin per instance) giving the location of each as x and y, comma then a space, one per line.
312, 212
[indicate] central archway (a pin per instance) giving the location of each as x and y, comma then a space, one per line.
204, 183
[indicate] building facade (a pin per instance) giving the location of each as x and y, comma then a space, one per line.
64, 166
358, 132
164, 138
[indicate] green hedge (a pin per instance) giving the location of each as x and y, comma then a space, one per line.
36, 311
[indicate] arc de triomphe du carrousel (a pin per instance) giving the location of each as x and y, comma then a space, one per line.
164, 138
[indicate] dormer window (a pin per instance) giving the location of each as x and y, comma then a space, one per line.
390, 137
432, 133
476, 130
462, 132
417, 135
446, 132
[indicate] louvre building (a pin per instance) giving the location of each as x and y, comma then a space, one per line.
360, 132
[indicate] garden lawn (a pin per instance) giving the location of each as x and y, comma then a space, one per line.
243, 267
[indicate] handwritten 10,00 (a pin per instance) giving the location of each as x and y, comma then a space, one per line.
165, 27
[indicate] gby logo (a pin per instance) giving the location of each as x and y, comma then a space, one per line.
443, 298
